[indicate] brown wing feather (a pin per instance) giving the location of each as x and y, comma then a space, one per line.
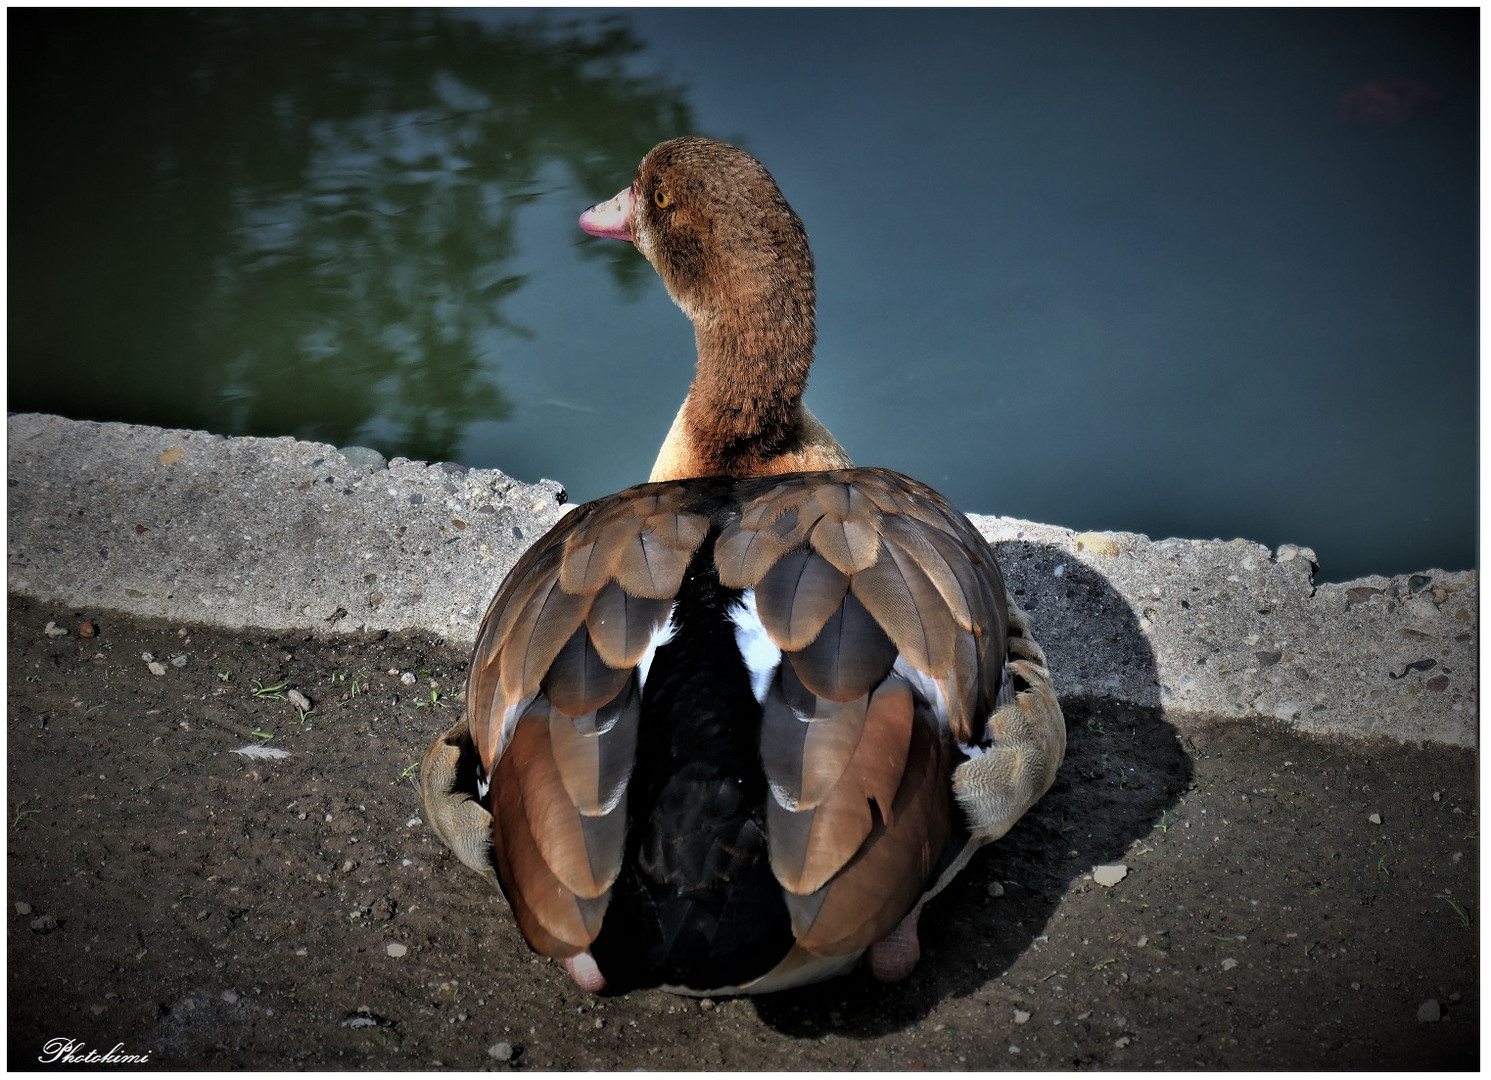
554, 919
485, 696
903, 601
621, 625
851, 765
940, 565
535, 569
569, 578
744, 553
850, 543
807, 741
595, 753
797, 596
808, 847
577, 681
861, 803
554, 822
872, 892
548, 618
553, 702
888, 737
848, 657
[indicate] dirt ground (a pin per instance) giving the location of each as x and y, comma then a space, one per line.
1288, 903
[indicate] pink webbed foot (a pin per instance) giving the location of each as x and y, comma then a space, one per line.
586, 972
894, 956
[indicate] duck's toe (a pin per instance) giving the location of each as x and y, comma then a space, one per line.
894, 956
586, 972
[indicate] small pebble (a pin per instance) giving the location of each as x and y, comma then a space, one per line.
53, 630
1429, 1011
230, 996
1021, 1016
1228, 964
408, 678
996, 890
44, 924
299, 700
157, 668
87, 629
395, 949
23, 908
363, 457
1110, 875
1375, 819
502, 1051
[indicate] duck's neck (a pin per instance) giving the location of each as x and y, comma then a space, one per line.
748, 386
744, 414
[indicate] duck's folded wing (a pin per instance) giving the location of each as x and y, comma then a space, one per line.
889, 614
554, 701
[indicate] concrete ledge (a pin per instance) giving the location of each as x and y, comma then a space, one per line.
284, 534
1233, 629
274, 533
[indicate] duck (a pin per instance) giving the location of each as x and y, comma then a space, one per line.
730, 730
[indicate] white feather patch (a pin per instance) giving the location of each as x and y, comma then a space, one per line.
756, 649
510, 717
660, 637
1005, 696
931, 691
926, 688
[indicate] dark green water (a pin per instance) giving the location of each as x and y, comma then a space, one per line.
1106, 269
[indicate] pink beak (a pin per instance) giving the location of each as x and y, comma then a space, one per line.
612, 219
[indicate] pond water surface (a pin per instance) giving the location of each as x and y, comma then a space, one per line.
1194, 273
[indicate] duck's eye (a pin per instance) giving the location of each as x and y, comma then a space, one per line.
662, 198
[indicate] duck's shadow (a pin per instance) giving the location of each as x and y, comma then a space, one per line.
1124, 767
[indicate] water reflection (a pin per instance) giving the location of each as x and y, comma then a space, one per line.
1181, 272
308, 218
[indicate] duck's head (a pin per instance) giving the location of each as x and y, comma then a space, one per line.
715, 226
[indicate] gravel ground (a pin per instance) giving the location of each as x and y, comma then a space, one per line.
1282, 902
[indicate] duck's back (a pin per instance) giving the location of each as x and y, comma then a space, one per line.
720, 718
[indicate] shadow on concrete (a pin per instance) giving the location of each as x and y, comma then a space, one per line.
1124, 768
